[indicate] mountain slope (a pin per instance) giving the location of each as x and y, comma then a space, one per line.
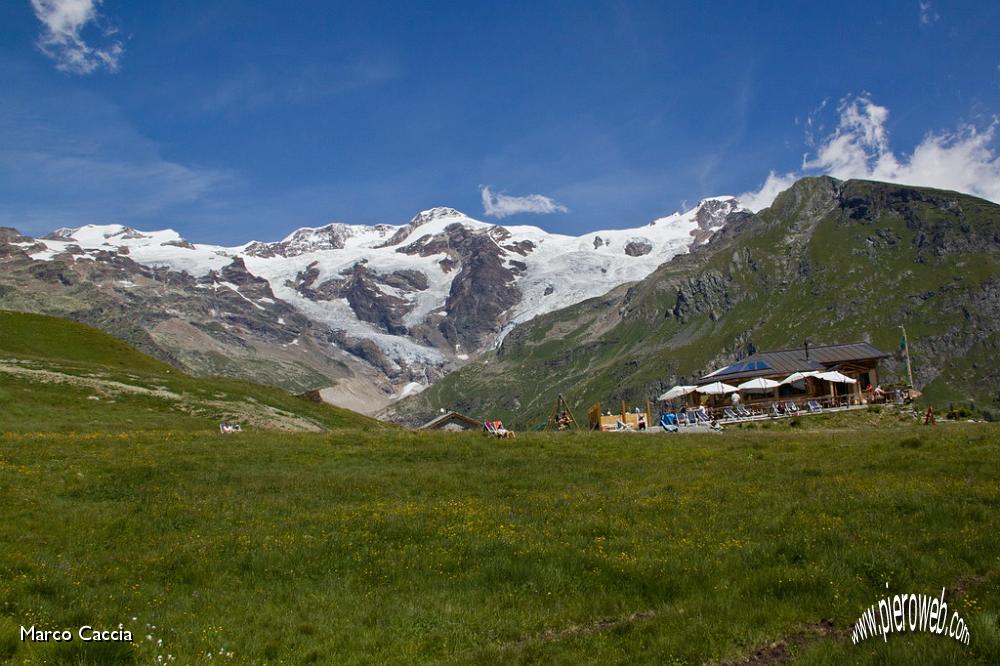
57, 374
830, 261
367, 313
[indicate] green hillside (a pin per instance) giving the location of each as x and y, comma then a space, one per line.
60, 375
830, 261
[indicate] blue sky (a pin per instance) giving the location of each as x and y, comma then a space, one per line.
231, 120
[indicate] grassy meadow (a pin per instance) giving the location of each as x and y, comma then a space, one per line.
399, 547
322, 536
59, 375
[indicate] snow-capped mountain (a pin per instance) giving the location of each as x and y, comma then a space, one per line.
407, 301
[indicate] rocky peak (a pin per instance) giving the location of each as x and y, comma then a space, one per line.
710, 216
308, 239
60, 234
126, 233
420, 219
12, 235
431, 214
712, 213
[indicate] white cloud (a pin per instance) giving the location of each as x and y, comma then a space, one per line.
63, 22
964, 160
927, 13
502, 205
772, 187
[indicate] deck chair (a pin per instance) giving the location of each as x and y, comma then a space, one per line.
814, 407
502, 432
668, 422
743, 411
490, 429
702, 417
730, 414
791, 408
691, 418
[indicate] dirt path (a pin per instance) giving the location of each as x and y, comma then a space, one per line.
780, 651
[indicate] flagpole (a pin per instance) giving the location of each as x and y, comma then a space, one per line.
906, 348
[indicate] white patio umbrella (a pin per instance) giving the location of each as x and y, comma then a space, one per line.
676, 392
717, 388
758, 384
836, 377
797, 377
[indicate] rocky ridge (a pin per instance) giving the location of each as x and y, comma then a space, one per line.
375, 311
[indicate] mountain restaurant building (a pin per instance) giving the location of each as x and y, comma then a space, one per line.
858, 361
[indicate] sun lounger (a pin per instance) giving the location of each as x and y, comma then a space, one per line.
668, 422
814, 407
791, 408
498, 431
730, 414
691, 418
702, 417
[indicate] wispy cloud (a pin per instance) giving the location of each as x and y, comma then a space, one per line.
255, 88
927, 13
63, 22
964, 159
501, 205
69, 157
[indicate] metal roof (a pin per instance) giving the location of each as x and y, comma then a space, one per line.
449, 417
786, 361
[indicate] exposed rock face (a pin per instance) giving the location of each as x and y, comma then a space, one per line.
711, 217
251, 286
10, 235
128, 233
708, 293
370, 304
187, 245
406, 280
638, 247
520, 247
481, 292
426, 246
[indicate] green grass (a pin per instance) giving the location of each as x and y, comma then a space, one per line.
60, 375
401, 547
